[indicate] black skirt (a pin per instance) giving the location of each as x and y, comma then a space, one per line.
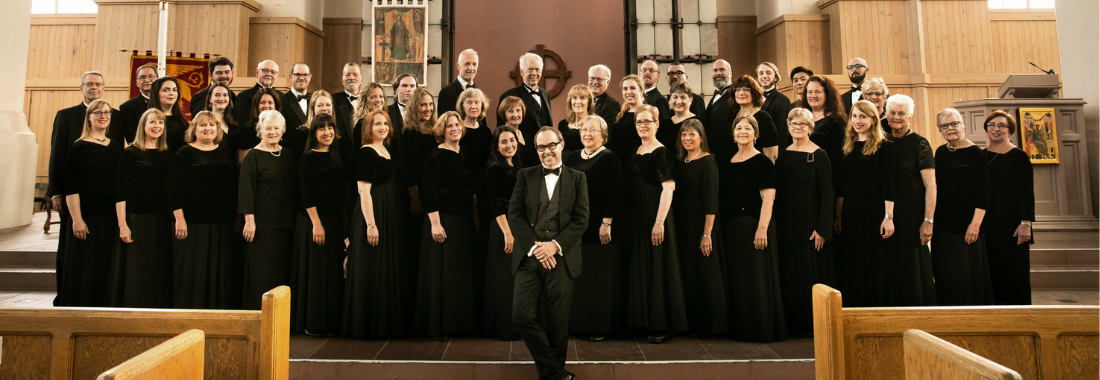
205, 272
445, 293
377, 296
145, 265
499, 283
704, 288
1009, 267
85, 282
597, 303
862, 262
756, 303
318, 276
656, 299
962, 270
267, 264
909, 264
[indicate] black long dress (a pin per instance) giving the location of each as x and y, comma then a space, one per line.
829, 136
378, 296
623, 139
499, 281
669, 132
863, 270
415, 148
90, 170
571, 137
656, 298
1013, 202
146, 263
696, 197
476, 144
269, 190
597, 295
752, 275
962, 270
445, 291
803, 205
317, 274
206, 270
910, 280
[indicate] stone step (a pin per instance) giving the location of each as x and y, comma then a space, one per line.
1089, 257
1064, 277
792, 369
9, 258
28, 277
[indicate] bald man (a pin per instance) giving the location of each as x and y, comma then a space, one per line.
857, 73
719, 133
267, 73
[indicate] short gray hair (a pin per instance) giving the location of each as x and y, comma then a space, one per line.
458, 58
273, 117
84, 77
528, 56
902, 100
803, 113
947, 112
874, 84
600, 122
601, 67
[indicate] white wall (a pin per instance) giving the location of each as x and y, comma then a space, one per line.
309, 10
768, 10
1078, 34
18, 150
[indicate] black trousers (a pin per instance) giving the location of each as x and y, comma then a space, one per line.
533, 284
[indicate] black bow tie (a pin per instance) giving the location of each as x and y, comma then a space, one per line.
471, 85
535, 92
303, 97
352, 98
718, 93
856, 88
555, 171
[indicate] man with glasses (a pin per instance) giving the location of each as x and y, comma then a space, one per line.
221, 72
651, 73
549, 209
857, 72
296, 99
676, 75
267, 73
599, 78
130, 111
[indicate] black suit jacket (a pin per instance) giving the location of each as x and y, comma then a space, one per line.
292, 112
199, 99
654, 98
607, 108
242, 107
537, 116
343, 109
847, 100
129, 115
698, 107
68, 124
719, 127
572, 215
448, 97
778, 106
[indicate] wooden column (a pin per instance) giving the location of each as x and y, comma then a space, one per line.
795, 40
344, 44
285, 40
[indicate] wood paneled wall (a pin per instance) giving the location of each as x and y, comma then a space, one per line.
61, 46
212, 27
123, 26
737, 44
285, 40
958, 37
873, 30
1022, 37
795, 40
343, 45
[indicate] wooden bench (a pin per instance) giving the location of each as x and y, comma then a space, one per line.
81, 343
930, 358
179, 358
1038, 342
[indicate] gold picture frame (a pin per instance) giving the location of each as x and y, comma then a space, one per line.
400, 41
1039, 135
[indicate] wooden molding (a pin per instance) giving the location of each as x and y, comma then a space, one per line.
287, 20
821, 4
250, 4
82, 19
790, 18
736, 19
342, 21
1028, 15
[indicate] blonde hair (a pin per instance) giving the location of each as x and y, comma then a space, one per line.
626, 106
851, 136
87, 130
778, 75
578, 90
140, 138
189, 135
364, 101
441, 126
875, 83
312, 102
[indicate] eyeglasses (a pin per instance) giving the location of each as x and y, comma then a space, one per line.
300, 75
147, 77
953, 124
648, 70
269, 71
101, 113
646, 123
551, 146
742, 89
998, 125
856, 66
675, 73
874, 94
802, 125
597, 80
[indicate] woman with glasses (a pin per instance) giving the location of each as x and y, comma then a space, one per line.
623, 137
876, 92
959, 256
746, 101
680, 99
1007, 223
165, 96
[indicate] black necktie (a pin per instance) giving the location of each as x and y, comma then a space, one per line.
303, 97
555, 171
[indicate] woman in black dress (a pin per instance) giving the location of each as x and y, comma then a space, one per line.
581, 104
500, 180
959, 259
1007, 223
221, 105
746, 101
202, 194
477, 144
375, 97
165, 96
512, 110
679, 99
145, 223
378, 296
623, 137
804, 217
656, 301
296, 136
445, 290
698, 228
910, 280
597, 297
90, 170
317, 271
751, 263
265, 100
821, 97
865, 203
417, 142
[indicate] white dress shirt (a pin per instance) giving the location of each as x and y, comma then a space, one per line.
304, 103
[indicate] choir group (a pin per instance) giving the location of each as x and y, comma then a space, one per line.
706, 217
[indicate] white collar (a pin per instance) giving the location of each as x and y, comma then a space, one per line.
462, 82
350, 94
296, 94
649, 89
144, 96
529, 88
559, 165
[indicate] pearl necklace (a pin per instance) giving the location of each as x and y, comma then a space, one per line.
586, 155
686, 160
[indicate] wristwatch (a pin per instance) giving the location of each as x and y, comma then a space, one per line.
888, 216
929, 221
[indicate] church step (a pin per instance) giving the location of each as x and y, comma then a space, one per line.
28, 277
792, 369
1065, 277
1089, 257
40, 258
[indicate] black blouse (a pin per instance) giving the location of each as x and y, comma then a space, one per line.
912, 153
500, 180
829, 135
572, 137
477, 144
699, 178
203, 184
1013, 177
447, 186
175, 127
654, 168
868, 180
143, 180
90, 171
740, 183
604, 174
415, 148
373, 168
962, 185
322, 178
269, 188
802, 180
669, 133
623, 137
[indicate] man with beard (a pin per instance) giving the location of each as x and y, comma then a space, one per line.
857, 72
719, 126
676, 74
267, 73
296, 100
344, 103
221, 72
467, 69
650, 75
607, 107
130, 111
535, 100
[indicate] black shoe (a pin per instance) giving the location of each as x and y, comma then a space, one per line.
661, 338
597, 338
569, 376
440, 338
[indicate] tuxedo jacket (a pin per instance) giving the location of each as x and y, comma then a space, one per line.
607, 108
292, 112
68, 124
778, 106
130, 114
572, 215
199, 99
698, 107
242, 107
719, 126
847, 100
654, 98
343, 110
448, 97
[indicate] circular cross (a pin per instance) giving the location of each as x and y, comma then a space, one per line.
561, 73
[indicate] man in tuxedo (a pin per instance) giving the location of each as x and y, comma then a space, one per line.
296, 100
599, 79
403, 89
857, 72
650, 75
775, 104
535, 100
549, 212
344, 103
719, 126
267, 73
467, 70
130, 111
676, 74
221, 72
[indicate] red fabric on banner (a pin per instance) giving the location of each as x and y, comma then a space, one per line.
191, 73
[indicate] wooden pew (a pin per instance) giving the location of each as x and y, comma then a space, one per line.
1038, 342
179, 358
930, 358
81, 343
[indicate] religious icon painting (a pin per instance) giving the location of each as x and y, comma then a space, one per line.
1039, 135
400, 43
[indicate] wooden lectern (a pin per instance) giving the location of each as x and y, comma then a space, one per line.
1063, 201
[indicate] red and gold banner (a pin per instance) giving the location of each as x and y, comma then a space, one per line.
191, 73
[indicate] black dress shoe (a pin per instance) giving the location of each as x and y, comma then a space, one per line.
597, 338
661, 338
569, 376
